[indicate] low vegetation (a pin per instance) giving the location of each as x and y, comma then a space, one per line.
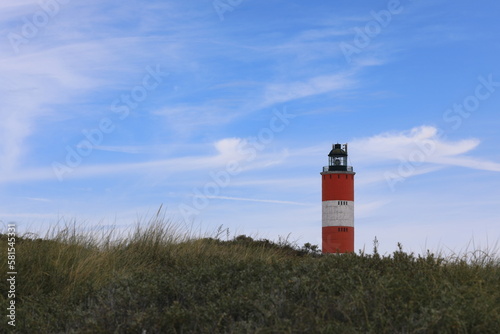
154, 281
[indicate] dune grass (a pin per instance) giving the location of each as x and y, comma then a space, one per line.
156, 280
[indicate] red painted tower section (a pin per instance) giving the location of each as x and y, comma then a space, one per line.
338, 202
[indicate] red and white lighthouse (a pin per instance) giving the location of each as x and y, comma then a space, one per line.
338, 202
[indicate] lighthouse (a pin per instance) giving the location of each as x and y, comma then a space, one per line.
337, 187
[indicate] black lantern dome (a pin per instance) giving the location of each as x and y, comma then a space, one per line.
337, 158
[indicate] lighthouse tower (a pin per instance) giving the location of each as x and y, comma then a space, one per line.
337, 180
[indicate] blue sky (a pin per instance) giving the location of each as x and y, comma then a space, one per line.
223, 112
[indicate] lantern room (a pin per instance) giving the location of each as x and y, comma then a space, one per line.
337, 158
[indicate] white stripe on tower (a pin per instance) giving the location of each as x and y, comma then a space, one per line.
338, 213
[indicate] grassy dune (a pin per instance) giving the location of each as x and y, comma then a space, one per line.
154, 281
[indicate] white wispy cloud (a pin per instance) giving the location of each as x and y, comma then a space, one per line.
258, 200
469, 162
284, 92
187, 120
136, 149
419, 144
418, 151
10, 10
80, 53
366, 209
37, 199
220, 153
